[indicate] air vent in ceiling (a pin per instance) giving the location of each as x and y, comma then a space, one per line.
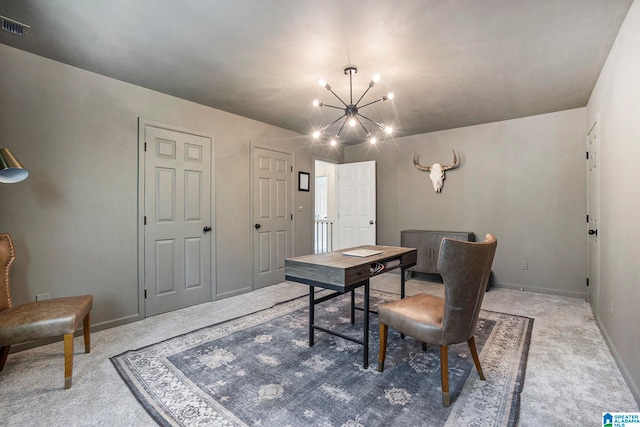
14, 27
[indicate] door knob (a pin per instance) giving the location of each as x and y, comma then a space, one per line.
371, 222
206, 229
592, 232
257, 226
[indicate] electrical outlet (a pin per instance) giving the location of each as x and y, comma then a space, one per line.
524, 265
42, 297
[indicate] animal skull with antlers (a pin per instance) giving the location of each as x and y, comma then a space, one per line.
436, 170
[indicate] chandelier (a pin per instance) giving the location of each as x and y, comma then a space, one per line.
352, 111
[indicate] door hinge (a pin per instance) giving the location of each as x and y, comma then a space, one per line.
587, 155
587, 281
145, 220
291, 168
291, 217
145, 146
587, 217
145, 294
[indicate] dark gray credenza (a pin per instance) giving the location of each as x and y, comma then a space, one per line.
427, 242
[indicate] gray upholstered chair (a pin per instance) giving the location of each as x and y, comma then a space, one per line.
465, 268
40, 319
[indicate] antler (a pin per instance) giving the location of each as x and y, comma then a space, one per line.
455, 164
416, 162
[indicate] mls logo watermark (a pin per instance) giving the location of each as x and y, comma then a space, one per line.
621, 419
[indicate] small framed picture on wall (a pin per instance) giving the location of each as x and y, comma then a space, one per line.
303, 181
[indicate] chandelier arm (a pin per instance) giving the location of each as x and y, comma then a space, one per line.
341, 127
365, 92
351, 88
339, 99
361, 125
332, 123
373, 102
332, 106
380, 125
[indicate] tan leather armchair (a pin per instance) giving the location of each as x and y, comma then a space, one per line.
40, 319
465, 268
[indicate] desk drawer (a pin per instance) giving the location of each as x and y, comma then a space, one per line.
408, 258
356, 274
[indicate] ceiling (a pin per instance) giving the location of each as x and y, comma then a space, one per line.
450, 63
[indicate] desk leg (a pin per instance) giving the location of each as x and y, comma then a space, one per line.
402, 283
353, 307
365, 362
311, 314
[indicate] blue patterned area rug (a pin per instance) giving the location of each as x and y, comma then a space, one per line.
258, 370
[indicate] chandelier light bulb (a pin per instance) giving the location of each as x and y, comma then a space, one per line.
376, 78
352, 122
322, 82
316, 134
373, 140
390, 95
333, 142
388, 130
316, 103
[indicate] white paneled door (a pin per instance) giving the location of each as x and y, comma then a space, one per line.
593, 208
356, 204
177, 210
272, 215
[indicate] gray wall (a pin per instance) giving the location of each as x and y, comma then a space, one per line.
616, 98
74, 220
522, 180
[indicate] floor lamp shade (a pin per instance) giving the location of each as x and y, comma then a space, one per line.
10, 168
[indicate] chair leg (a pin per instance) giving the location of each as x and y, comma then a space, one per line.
444, 373
474, 354
86, 327
68, 359
384, 332
4, 352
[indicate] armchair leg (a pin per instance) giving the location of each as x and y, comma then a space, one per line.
68, 359
384, 331
474, 354
444, 372
86, 327
4, 352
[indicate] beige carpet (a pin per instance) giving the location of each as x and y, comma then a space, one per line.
571, 376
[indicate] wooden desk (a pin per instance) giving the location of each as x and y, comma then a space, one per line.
343, 273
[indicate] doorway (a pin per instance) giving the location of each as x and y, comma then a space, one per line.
356, 204
344, 205
272, 225
593, 214
176, 235
325, 206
